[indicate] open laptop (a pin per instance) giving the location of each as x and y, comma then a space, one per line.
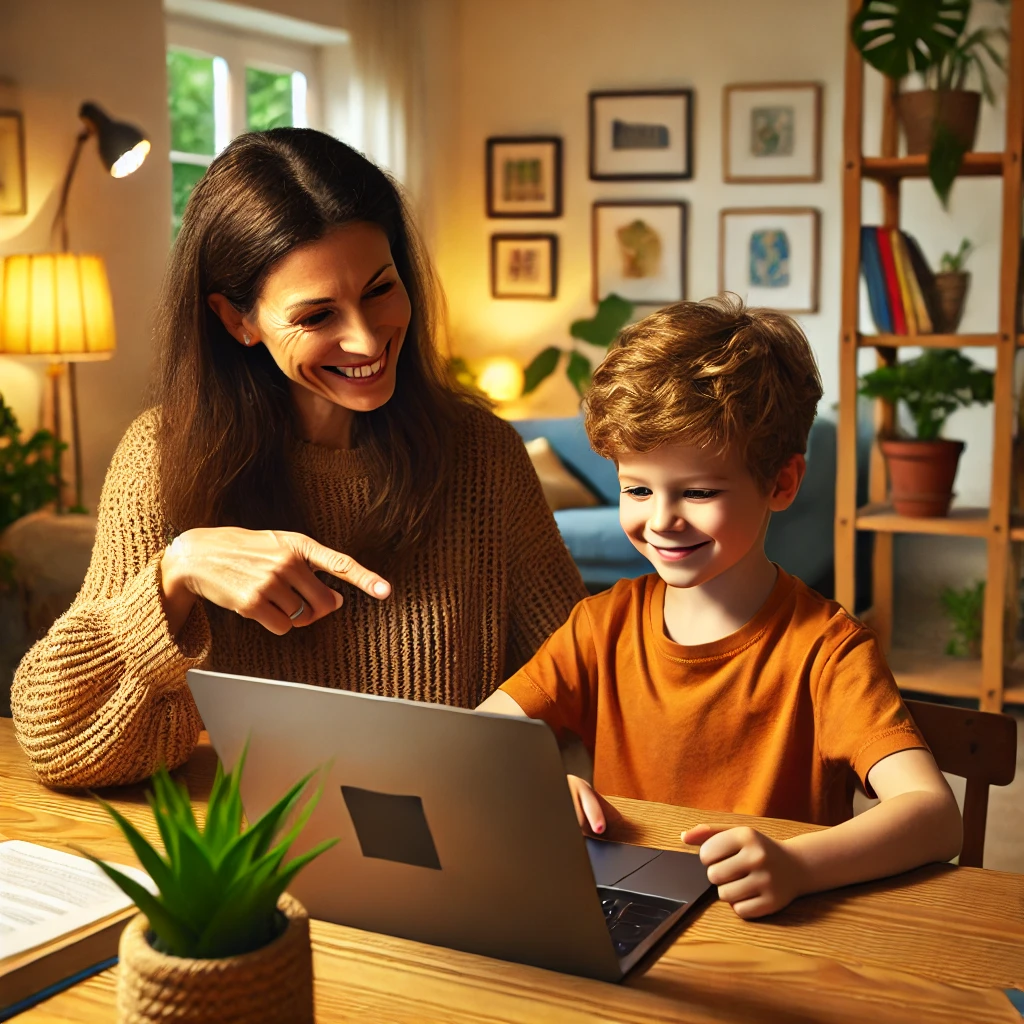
456, 827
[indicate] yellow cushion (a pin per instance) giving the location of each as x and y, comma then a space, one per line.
561, 488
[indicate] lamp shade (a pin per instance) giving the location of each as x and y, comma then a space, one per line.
56, 305
122, 146
501, 379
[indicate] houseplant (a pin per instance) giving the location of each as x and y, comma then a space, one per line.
613, 312
222, 942
931, 386
951, 283
930, 37
964, 606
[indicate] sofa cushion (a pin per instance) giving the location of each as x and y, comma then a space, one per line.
569, 440
561, 489
593, 535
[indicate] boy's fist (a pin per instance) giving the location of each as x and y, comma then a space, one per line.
755, 874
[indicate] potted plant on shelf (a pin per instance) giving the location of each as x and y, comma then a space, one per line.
901, 36
951, 283
931, 386
222, 943
964, 606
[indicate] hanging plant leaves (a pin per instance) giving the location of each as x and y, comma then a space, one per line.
944, 161
900, 36
578, 371
542, 366
603, 328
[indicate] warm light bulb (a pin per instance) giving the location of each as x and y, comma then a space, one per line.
130, 161
501, 379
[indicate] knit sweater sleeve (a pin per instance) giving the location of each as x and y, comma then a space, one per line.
544, 583
101, 699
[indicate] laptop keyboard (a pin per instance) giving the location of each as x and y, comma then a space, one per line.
631, 918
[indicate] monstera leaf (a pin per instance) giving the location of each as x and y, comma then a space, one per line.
542, 366
900, 36
603, 328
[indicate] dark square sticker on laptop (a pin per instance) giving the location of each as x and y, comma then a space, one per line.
391, 827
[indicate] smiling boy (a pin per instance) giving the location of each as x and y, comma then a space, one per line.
721, 681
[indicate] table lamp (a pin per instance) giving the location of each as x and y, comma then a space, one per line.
57, 305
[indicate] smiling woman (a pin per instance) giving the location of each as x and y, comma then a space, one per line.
311, 498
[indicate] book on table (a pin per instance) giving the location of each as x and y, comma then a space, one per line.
61, 920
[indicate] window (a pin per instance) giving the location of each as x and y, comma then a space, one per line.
222, 83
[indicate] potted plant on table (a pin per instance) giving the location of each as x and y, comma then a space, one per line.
222, 943
930, 37
931, 386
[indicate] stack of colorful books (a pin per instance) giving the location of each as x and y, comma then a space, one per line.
901, 287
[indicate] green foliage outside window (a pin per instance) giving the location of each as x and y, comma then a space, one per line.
190, 101
183, 180
268, 100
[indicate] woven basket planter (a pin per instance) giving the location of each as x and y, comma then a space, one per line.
272, 985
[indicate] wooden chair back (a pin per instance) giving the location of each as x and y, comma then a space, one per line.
980, 747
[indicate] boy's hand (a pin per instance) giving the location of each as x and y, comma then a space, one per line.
755, 874
593, 812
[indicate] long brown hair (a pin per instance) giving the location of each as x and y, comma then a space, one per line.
227, 422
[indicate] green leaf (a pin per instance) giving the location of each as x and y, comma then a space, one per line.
944, 161
578, 371
900, 36
613, 313
152, 863
541, 367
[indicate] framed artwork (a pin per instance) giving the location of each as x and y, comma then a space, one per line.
638, 136
639, 251
772, 132
524, 266
12, 163
524, 176
770, 256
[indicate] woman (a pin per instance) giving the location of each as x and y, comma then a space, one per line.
309, 499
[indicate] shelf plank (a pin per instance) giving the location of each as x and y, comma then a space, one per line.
887, 168
1017, 532
927, 340
961, 522
927, 672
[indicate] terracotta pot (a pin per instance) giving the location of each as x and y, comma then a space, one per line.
272, 985
922, 111
921, 475
950, 293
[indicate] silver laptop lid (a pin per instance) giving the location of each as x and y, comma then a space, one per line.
456, 828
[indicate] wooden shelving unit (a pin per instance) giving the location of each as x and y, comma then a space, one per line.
997, 679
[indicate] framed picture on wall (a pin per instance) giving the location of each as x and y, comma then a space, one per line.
12, 163
639, 251
637, 136
770, 256
524, 266
771, 132
524, 176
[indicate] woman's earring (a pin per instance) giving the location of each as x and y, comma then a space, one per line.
246, 339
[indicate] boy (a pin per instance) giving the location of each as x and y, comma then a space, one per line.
721, 681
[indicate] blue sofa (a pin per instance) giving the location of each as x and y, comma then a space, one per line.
799, 539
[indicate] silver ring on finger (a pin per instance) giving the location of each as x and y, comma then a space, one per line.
302, 607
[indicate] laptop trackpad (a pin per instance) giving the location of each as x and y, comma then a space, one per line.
672, 875
611, 862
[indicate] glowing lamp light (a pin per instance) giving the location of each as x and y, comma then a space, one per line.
122, 147
501, 379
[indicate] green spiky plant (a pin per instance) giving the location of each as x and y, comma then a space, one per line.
964, 607
613, 312
218, 885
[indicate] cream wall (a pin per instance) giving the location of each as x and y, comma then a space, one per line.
526, 68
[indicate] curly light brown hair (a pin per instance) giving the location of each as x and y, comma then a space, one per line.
712, 374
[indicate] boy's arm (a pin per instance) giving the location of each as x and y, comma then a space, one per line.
916, 822
500, 703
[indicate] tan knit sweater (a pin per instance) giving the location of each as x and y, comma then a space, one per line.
102, 698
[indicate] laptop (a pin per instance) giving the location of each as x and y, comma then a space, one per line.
456, 827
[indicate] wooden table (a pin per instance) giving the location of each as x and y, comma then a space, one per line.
938, 944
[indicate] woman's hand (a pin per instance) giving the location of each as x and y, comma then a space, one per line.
754, 874
265, 575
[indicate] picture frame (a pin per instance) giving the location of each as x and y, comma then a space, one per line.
771, 132
771, 256
638, 251
524, 176
524, 266
642, 135
13, 193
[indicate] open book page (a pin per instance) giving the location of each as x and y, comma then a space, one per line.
45, 893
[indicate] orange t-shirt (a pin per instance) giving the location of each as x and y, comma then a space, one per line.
774, 720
